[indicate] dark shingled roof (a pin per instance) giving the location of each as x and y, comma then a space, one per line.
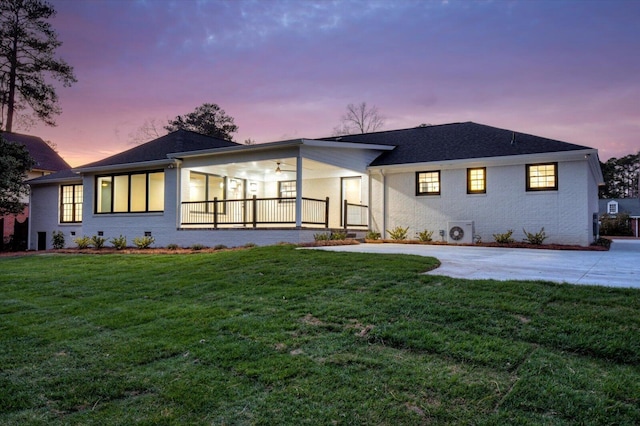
456, 141
157, 149
45, 157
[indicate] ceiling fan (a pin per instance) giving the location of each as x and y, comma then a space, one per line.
279, 170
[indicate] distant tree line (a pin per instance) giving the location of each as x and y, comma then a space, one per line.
621, 177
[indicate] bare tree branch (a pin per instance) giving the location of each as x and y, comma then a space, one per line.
359, 119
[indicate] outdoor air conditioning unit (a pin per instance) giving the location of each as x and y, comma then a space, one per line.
460, 232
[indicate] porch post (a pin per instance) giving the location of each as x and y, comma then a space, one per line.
326, 213
215, 212
299, 190
344, 210
254, 211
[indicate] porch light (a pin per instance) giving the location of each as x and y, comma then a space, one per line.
233, 184
278, 170
253, 187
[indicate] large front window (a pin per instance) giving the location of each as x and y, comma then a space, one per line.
130, 193
70, 203
542, 177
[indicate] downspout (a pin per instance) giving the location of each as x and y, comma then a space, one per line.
29, 220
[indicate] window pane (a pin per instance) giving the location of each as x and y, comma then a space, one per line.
197, 187
429, 183
542, 176
138, 193
121, 193
476, 180
156, 191
104, 194
215, 187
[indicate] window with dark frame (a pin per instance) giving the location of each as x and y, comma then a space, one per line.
138, 192
477, 180
542, 177
71, 203
287, 189
428, 183
208, 187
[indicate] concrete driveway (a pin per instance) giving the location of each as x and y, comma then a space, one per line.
618, 267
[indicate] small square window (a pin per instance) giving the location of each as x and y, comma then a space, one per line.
477, 180
612, 207
428, 183
287, 189
542, 177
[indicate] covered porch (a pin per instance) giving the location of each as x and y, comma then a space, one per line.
295, 184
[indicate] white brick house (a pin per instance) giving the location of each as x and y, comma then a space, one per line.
465, 179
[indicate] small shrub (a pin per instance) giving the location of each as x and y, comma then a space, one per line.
82, 242
398, 233
535, 239
372, 235
119, 243
172, 247
197, 247
325, 236
98, 241
425, 236
144, 242
339, 235
57, 240
504, 238
250, 245
219, 247
603, 242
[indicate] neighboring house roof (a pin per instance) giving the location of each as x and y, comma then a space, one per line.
158, 149
625, 205
62, 176
456, 141
46, 159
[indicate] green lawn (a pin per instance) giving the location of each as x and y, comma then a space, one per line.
276, 335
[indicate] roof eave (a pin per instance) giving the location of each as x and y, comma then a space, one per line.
128, 166
590, 154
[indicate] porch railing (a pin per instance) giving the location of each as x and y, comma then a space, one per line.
255, 211
355, 215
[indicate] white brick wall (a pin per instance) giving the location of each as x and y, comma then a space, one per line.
565, 214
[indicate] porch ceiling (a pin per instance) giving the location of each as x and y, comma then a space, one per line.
266, 169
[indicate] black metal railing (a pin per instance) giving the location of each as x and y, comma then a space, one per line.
355, 215
255, 211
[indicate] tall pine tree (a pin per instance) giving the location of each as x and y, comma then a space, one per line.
27, 48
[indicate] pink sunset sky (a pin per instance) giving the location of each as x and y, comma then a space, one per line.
567, 70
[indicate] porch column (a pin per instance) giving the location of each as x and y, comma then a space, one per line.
298, 190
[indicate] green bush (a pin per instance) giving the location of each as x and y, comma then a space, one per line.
144, 242
618, 225
82, 242
119, 243
372, 235
219, 247
197, 247
398, 233
535, 239
172, 247
425, 236
324, 236
504, 238
98, 241
57, 240
338, 235
250, 245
